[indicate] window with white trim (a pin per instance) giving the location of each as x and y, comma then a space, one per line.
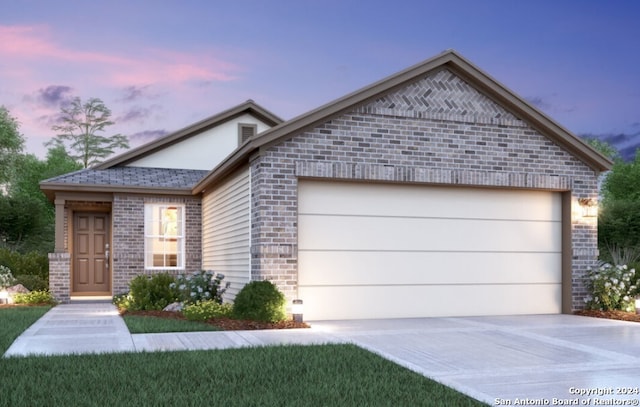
163, 236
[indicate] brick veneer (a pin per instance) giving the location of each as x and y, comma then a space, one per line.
127, 225
438, 130
59, 278
128, 236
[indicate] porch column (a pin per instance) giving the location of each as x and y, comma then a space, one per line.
59, 243
60, 276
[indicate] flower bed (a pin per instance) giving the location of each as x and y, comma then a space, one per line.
226, 324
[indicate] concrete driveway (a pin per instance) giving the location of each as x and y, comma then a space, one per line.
512, 360
506, 360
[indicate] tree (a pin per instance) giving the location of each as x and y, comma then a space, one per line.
623, 182
81, 123
603, 147
619, 217
26, 215
11, 143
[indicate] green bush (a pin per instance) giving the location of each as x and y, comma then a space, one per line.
34, 297
152, 292
32, 263
260, 301
618, 226
122, 301
32, 282
611, 288
205, 310
200, 286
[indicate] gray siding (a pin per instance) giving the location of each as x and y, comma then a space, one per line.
226, 231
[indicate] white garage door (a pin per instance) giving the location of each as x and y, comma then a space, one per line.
397, 251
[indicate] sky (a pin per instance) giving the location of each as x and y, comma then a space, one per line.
162, 65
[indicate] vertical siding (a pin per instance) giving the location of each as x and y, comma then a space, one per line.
226, 231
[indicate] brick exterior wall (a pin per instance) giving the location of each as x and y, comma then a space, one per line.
59, 278
438, 130
128, 236
127, 250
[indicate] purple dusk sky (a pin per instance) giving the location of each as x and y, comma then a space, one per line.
161, 65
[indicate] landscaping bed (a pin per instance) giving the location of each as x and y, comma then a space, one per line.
619, 315
225, 324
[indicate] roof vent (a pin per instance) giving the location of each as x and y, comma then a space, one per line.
246, 131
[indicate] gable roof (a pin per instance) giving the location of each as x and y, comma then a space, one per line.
126, 179
449, 59
248, 107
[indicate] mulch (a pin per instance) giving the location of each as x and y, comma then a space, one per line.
226, 324
619, 315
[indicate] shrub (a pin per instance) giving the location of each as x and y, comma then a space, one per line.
612, 288
32, 263
122, 301
6, 278
623, 255
205, 310
152, 292
200, 286
32, 282
260, 301
34, 297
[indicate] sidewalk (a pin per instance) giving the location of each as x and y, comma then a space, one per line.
505, 358
97, 328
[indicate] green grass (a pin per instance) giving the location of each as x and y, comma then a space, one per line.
138, 324
327, 375
14, 320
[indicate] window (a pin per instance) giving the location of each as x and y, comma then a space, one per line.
163, 236
246, 131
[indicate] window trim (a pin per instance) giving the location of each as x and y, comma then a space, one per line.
180, 239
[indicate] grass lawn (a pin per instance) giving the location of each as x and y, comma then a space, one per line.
14, 320
144, 324
327, 375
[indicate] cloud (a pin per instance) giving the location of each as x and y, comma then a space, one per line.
54, 95
626, 144
36, 46
136, 114
133, 93
538, 102
147, 136
547, 106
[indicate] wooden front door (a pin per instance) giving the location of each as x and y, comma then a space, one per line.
91, 270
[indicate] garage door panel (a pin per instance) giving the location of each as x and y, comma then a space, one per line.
390, 268
388, 251
437, 301
398, 233
320, 197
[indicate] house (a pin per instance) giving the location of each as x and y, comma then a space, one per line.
433, 192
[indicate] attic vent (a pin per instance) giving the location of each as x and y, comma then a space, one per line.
246, 131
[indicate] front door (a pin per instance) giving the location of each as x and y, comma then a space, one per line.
91, 274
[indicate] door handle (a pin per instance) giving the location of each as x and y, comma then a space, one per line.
106, 254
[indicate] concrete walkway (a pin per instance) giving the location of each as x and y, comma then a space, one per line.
499, 360
98, 328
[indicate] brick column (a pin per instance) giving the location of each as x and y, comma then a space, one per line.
60, 276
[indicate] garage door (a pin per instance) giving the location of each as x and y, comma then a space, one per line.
397, 251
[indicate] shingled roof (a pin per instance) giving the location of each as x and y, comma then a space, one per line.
151, 180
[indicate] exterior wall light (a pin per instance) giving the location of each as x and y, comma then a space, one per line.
589, 207
297, 310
